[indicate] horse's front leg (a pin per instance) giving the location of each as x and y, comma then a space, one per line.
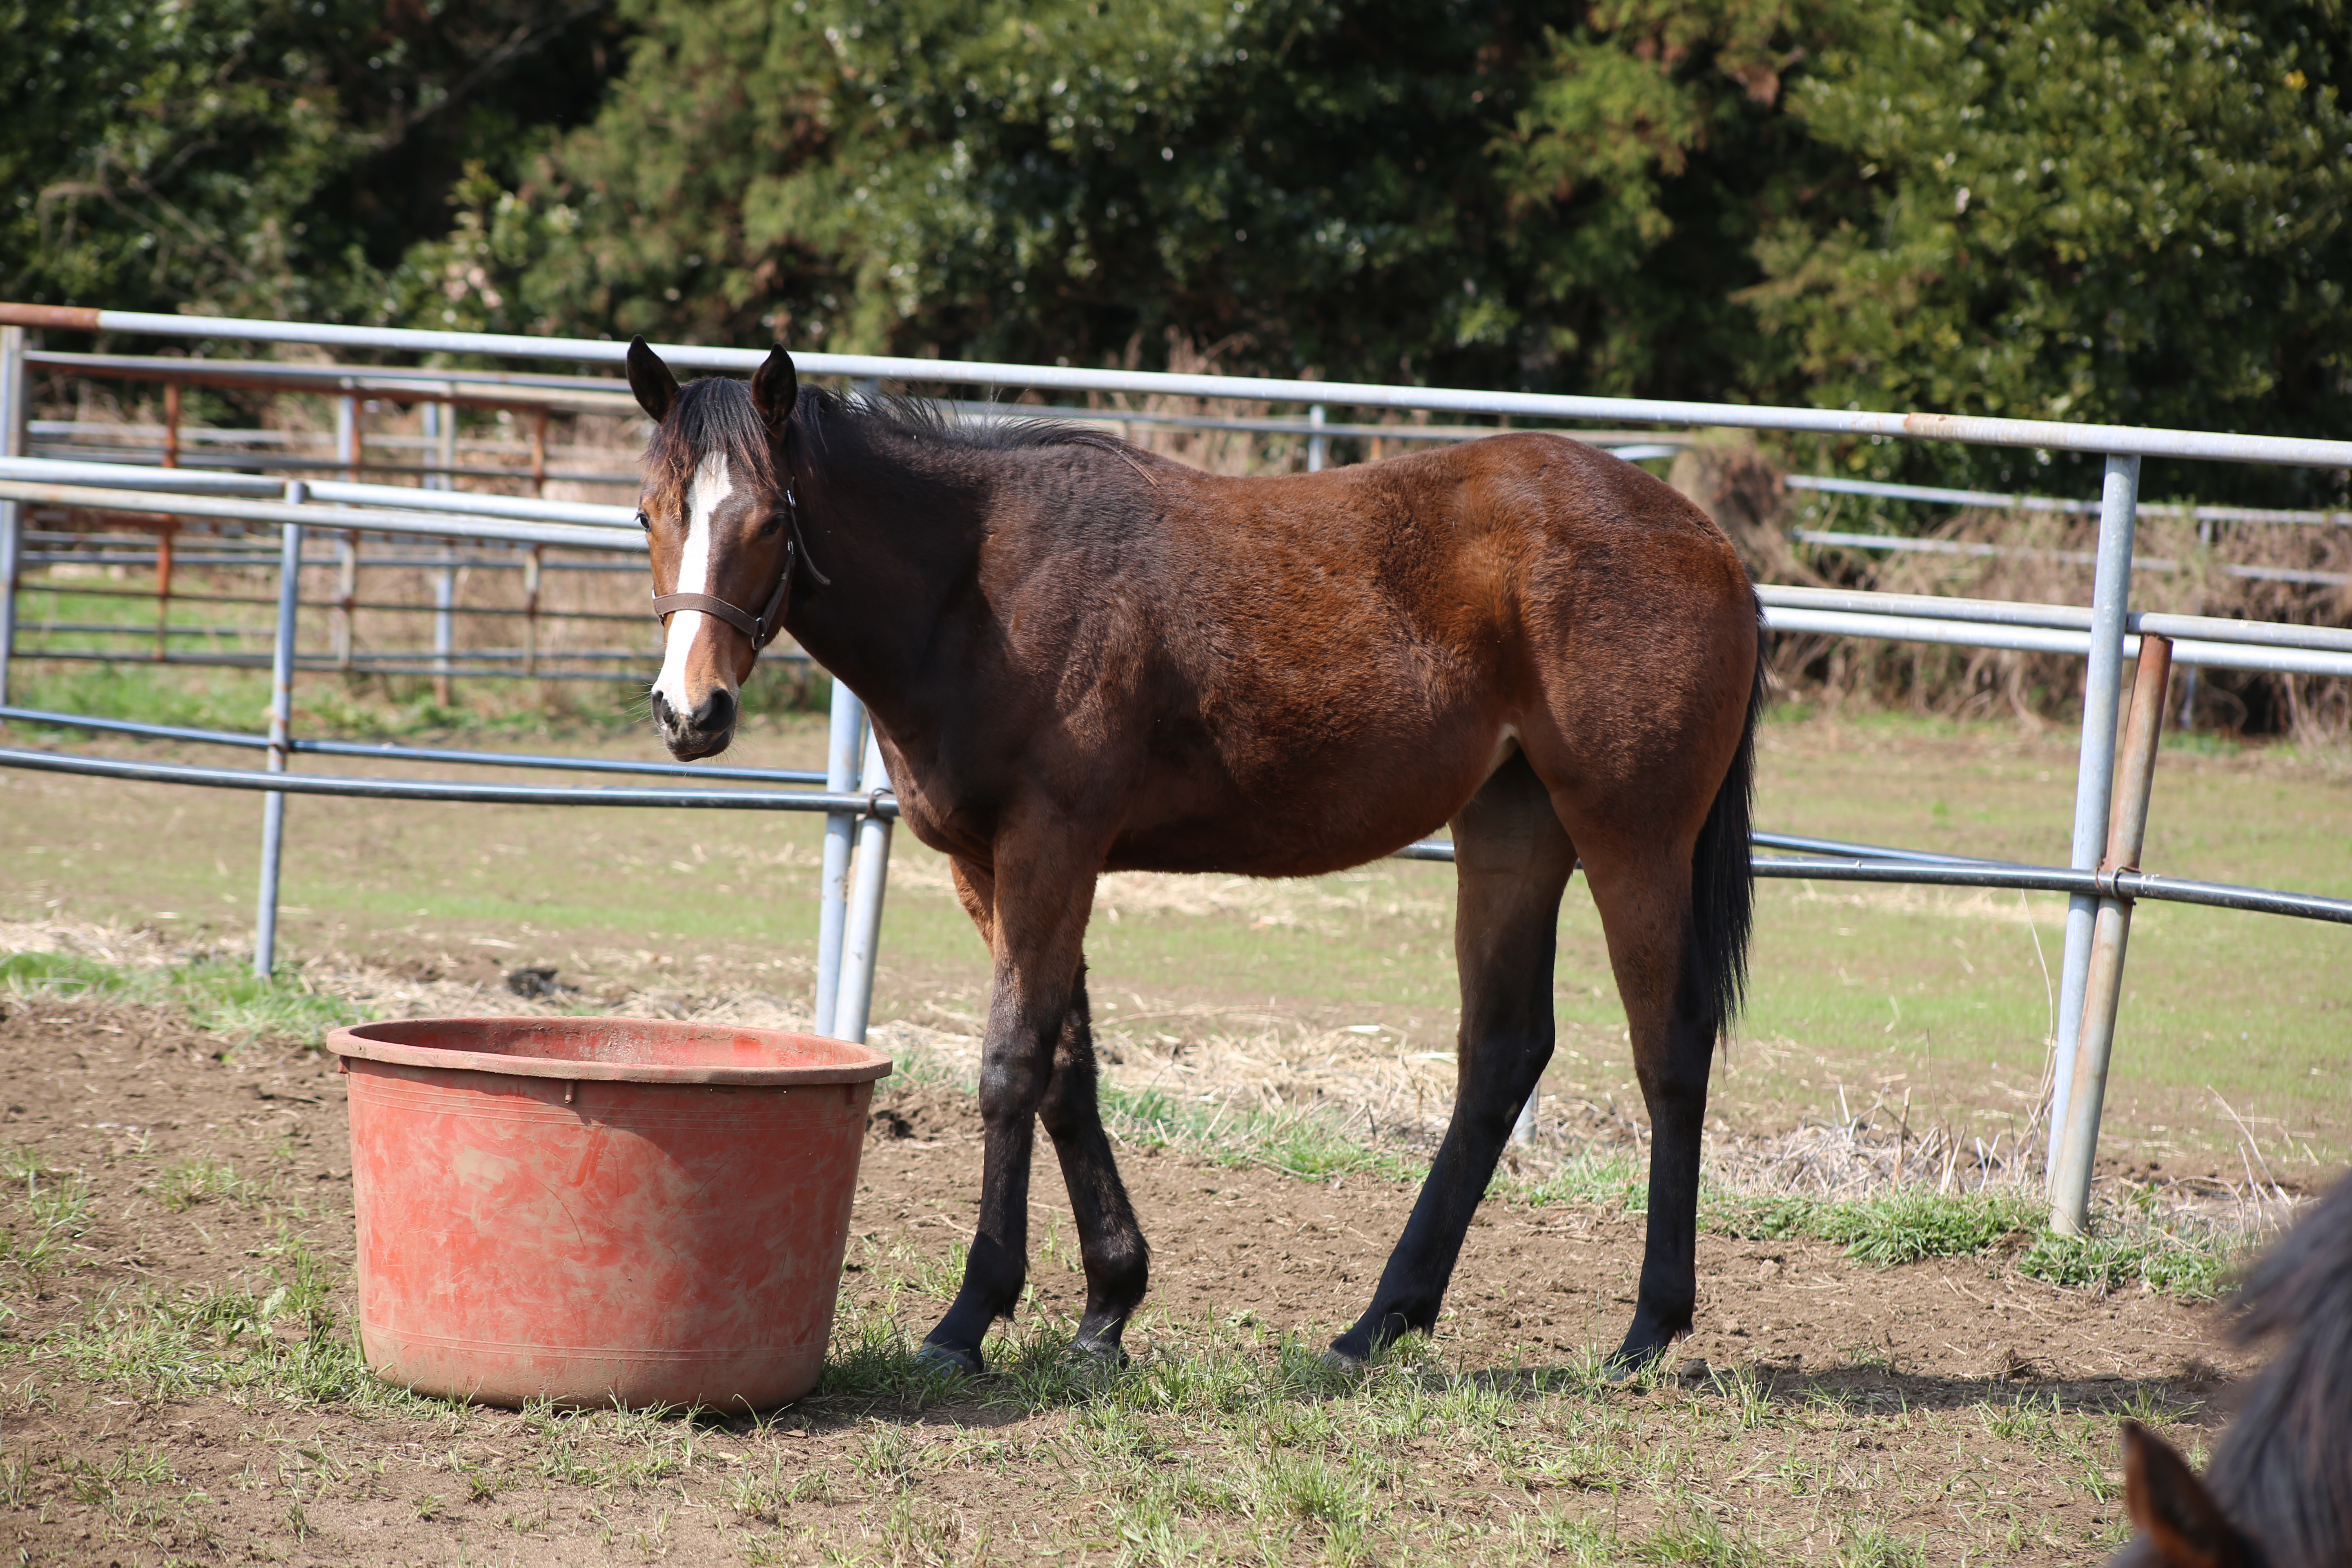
1042, 893
1110, 1242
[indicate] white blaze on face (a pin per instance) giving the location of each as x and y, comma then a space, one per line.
709, 488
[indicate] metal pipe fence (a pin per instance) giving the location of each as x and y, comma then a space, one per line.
386, 752
470, 504
2277, 649
2107, 635
1991, 501
124, 550
297, 467
1889, 543
2044, 435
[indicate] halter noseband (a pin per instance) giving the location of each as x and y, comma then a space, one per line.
761, 628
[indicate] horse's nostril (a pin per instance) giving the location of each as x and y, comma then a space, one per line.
716, 712
664, 715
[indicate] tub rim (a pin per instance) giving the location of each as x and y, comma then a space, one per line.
356, 1042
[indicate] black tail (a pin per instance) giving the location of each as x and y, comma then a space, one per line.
1722, 880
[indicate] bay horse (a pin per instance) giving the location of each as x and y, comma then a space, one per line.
1082, 657
2278, 1492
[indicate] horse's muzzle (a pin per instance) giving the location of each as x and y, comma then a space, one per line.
705, 733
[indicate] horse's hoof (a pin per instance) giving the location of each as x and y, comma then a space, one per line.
1632, 1360
1339, 1358
1106, 1353
946, 1361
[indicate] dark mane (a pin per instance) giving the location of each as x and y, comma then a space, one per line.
2280, 1469
716, 414
921, 419
712, 414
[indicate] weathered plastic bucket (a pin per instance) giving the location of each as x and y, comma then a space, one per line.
592, 1209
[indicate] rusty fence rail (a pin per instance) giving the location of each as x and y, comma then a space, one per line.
2098, 879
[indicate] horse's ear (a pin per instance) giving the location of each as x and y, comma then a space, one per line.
2172, 1508
775, 387
650, 379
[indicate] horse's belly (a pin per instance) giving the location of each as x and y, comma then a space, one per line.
1331, 809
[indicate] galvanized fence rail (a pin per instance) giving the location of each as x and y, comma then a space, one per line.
2099, 879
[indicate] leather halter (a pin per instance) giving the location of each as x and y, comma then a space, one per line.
761, 628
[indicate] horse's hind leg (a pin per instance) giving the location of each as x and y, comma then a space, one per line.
1644, 893
1512, 860
1110, 1243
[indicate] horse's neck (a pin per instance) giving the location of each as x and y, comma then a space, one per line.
898, 523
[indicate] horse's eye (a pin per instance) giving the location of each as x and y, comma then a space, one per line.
643, 522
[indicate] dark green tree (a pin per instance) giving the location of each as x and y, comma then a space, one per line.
2133, 212
1412, 188
2121, 211
265, 156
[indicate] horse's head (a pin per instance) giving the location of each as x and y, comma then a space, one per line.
2181, 1525
716, 508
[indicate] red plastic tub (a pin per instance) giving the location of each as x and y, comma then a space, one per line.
592, 1209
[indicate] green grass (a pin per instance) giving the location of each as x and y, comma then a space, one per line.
1873, 1547
284, 1339
2193, 1263
1699, 1539
200, 1180
1299, 1143
46, 1210
221, 998
2127, 1247
1597, 1179
60, 974
1901, 1227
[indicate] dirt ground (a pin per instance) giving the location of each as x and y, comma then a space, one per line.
216, 1174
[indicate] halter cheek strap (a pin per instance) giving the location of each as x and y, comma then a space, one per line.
761, 628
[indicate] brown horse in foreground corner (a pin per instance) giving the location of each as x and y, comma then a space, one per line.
1081, 656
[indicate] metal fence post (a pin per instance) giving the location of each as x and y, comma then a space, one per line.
282, 714
532, 566
863, 937
841, 752
347, 579
166, 532
2094, 772
347, 435
2070, 1178
440, 420
347, 594
16, 397
1318, 447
